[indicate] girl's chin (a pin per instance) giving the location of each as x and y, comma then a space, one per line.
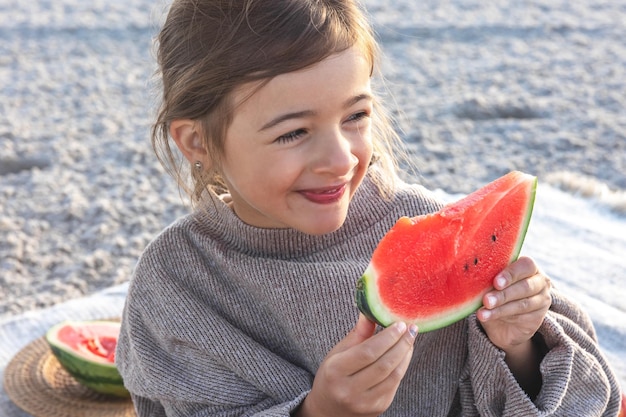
324, 222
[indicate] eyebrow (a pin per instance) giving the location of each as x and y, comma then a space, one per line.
306, 113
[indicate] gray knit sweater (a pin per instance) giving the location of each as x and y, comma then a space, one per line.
225, 319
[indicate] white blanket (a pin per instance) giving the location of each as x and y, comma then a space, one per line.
16, 332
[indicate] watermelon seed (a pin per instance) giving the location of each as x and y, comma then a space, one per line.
475, 261
493, 238
466, 267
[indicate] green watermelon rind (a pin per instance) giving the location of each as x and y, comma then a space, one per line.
524, 228
371, 306
103, 378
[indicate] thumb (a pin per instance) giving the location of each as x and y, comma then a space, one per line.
362, 330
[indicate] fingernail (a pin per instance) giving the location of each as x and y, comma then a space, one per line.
501, 281
491, 301
486, 314
413, 330
401, 326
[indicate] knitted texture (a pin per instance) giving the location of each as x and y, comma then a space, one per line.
226, 319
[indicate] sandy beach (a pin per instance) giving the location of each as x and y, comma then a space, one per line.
479, 88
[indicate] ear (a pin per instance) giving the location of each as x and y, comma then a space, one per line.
188, 137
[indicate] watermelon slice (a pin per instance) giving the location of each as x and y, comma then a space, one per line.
433, 270
86, 349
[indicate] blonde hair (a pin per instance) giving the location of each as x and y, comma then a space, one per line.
207, 48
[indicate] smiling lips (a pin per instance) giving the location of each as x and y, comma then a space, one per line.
324, 195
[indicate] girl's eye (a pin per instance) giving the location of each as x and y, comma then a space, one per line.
358, 116
291, 136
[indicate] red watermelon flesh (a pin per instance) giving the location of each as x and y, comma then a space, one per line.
86, 350
433, 270
95, 341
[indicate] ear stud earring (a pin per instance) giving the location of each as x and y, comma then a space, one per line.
198, 165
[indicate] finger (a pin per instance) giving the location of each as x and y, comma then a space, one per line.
362, 330
522, 268
383, 393
369, 351
390, 363
517, 310
521, 289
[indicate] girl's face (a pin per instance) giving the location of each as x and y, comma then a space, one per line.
299, 147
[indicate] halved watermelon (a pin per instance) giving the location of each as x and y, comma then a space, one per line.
433, 270
86, 349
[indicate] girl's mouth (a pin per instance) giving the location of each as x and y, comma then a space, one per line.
325, 195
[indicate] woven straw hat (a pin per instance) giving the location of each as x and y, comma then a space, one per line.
35, 381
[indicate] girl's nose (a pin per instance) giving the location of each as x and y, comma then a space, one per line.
334, 154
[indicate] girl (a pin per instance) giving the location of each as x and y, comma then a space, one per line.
245, 306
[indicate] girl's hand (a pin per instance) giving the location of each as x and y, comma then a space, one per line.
514, 310
361, 374
511, 315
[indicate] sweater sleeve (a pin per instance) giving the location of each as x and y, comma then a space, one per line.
576, 378
180, 357
155, 408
